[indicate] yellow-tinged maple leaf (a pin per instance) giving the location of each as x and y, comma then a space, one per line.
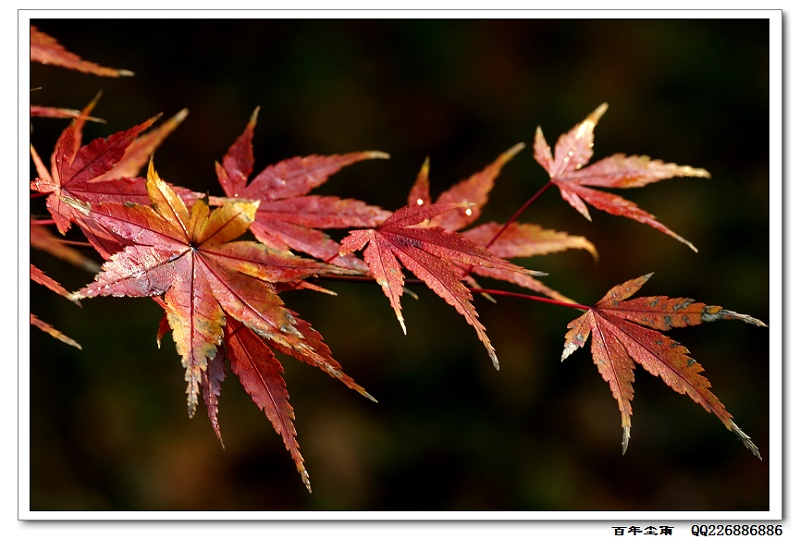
211, 284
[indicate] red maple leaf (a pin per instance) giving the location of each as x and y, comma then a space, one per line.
287, 217
44, 240
260, 373
512, 240
46, 50
433, 254
103, 170
216, 292
566, 169
625, 332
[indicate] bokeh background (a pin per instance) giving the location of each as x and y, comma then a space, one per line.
109, 429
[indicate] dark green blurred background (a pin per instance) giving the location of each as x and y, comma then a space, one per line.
109, 429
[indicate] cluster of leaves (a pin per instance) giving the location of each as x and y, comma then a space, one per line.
222, 293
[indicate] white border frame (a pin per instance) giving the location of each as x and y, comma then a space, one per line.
548, 519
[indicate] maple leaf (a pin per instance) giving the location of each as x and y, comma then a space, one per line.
513, 240
260, 373
208, 283
53, 332
567, 171
102, 170
40, 277
469, 195
140, 150
625, 332
57, 112
44, 240
287, 217
46, 50
433, 254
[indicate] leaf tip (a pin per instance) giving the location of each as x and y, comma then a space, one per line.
714, 313
598, 112
626, 438
568, 349
219, 437
511, 152
191, 400
398, 314
495, 361
377, 155
181, 115
746, 440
